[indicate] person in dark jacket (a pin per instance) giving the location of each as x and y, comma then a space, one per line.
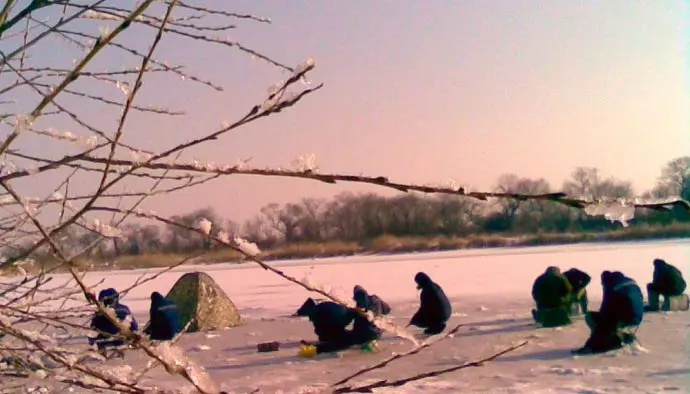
552, 293
110, 298
667, 281
622, 306
164, 318
370, 302
551, 289
330, 321
578, 281
434, 307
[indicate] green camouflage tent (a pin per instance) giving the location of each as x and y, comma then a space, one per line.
198, 296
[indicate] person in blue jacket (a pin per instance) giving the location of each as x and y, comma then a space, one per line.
110, 298
164, 318
622, 306
434, 309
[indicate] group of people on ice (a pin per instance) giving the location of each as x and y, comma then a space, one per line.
622, 307
555, 294
163, 325
330, 320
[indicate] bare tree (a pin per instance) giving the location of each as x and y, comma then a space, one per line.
184, 240
511, 209
674, 179
588, 183
456, 214
584, 182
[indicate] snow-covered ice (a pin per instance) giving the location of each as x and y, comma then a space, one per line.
490, 291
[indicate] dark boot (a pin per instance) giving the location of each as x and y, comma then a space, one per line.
436, 329
583, 303
653, 298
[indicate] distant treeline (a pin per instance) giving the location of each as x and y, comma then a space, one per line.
357, 219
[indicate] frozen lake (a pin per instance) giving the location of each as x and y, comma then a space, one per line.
470, 273
490, 292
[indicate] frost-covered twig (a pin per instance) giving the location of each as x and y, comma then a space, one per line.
276, 104
30, 228
597, 206
397, 356
369, 388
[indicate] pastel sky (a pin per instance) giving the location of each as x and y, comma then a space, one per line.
424, 91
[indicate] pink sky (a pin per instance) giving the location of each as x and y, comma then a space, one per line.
424, 91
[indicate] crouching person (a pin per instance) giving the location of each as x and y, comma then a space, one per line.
578, 281
107, 330
164, 319
330, 321
370, 302
552, 292
434, 307
667, 281
621, 308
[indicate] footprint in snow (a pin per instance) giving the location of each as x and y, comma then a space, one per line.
567, 371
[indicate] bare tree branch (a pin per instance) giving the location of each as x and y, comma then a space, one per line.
400, 382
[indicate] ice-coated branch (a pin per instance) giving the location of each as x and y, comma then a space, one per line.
596, 206
277, 104
369, 388
73, 75
28, 227
398, 356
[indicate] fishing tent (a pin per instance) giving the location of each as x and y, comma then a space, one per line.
198, 296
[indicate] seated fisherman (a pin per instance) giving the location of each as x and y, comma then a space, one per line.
578, 281
330, 321
667, 281
434, 307
164, 318
370, 302
621, 307
110, 298
551, 292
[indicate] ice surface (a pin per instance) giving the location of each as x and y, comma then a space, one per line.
490, 292
506, 271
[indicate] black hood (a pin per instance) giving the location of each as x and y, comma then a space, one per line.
422, 280
360, 296
307, 308
659, 263
109, 297
609, 280
157, 300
